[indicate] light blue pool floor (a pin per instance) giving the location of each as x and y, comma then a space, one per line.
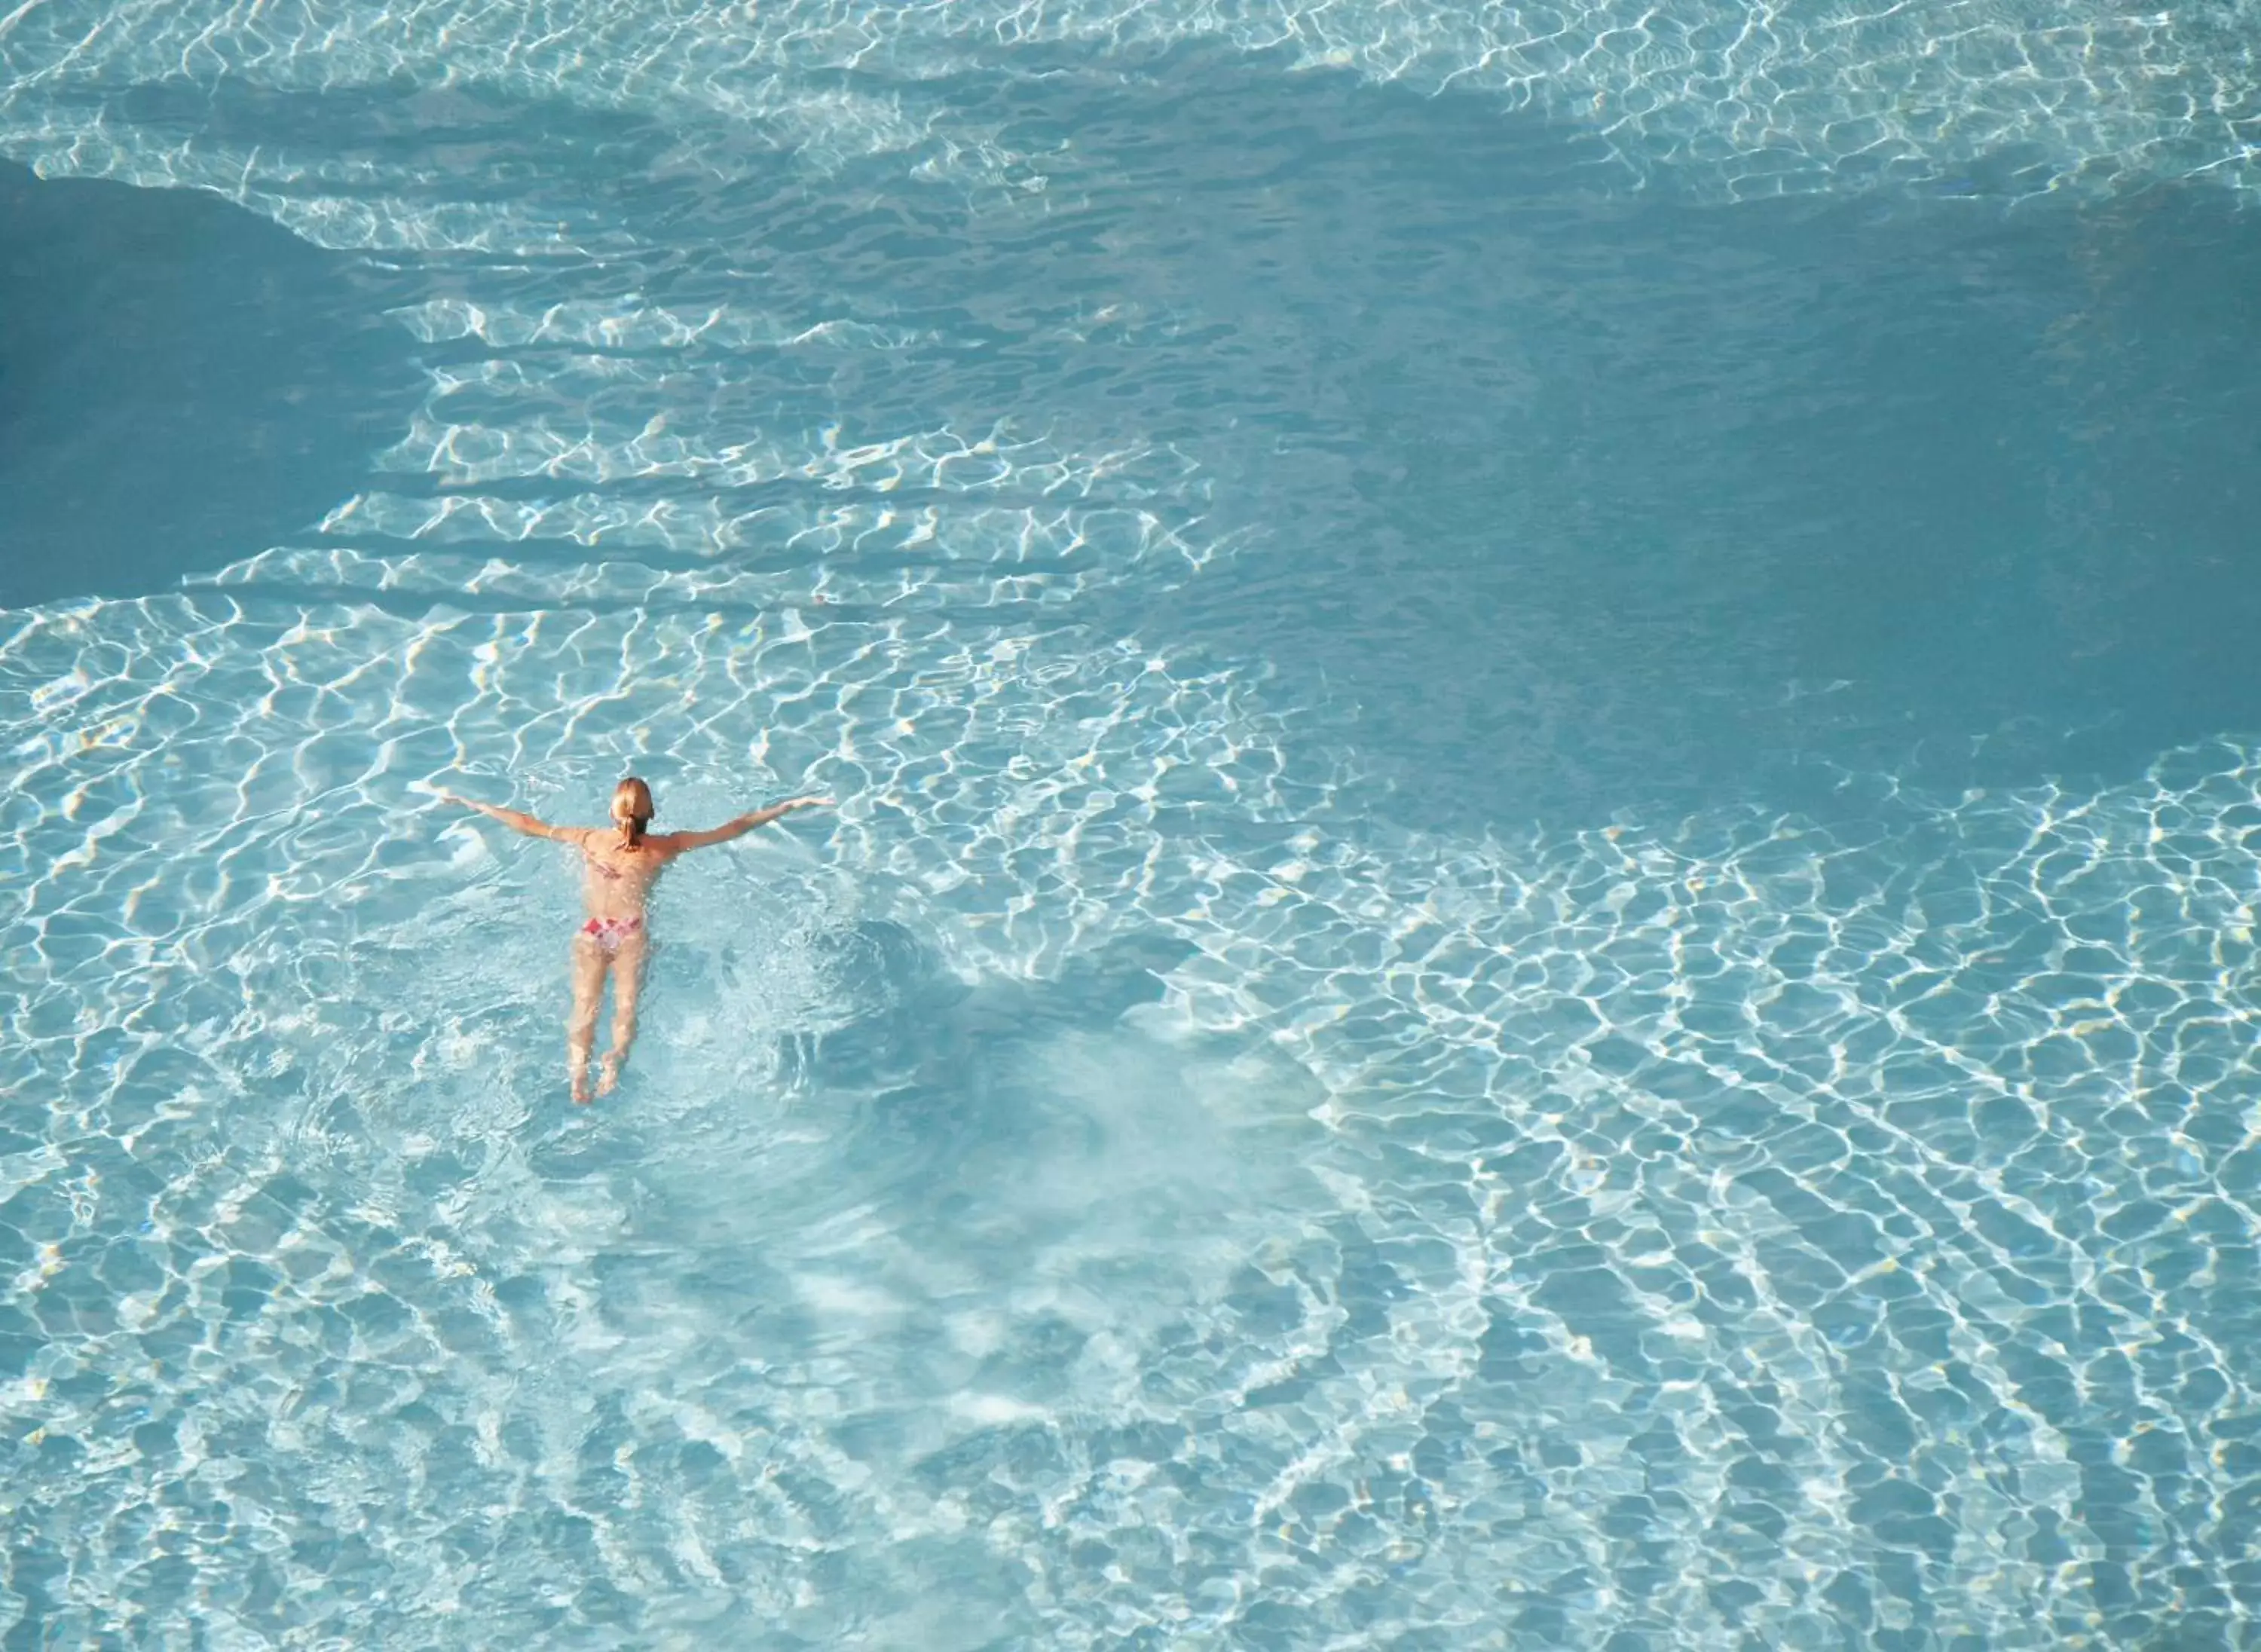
1540, 931
1669, 1230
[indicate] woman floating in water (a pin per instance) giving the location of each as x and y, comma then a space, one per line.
621, 864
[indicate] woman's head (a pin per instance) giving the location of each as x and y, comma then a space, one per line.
632, 808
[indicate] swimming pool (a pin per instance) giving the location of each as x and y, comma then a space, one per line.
1542, 926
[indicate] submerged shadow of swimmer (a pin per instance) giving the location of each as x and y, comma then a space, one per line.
618, 865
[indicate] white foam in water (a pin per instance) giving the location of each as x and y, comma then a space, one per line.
1089, 1190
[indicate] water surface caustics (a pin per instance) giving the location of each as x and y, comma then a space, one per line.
1752, 100
1541, 930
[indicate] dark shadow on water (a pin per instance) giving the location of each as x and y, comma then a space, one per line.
1565, 502
182, 384
1720, 503
1563, 499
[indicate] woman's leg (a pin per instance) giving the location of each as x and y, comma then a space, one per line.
588, 967
627, 987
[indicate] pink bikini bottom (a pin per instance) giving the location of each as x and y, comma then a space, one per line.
608, 933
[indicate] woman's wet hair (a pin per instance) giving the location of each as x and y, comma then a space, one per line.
633, 798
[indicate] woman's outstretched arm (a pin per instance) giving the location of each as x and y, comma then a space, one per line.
515, 819
679, 841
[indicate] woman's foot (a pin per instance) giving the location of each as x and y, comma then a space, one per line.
608, 1073
579, 1072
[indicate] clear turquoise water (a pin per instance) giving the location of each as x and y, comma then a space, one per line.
1542, 930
